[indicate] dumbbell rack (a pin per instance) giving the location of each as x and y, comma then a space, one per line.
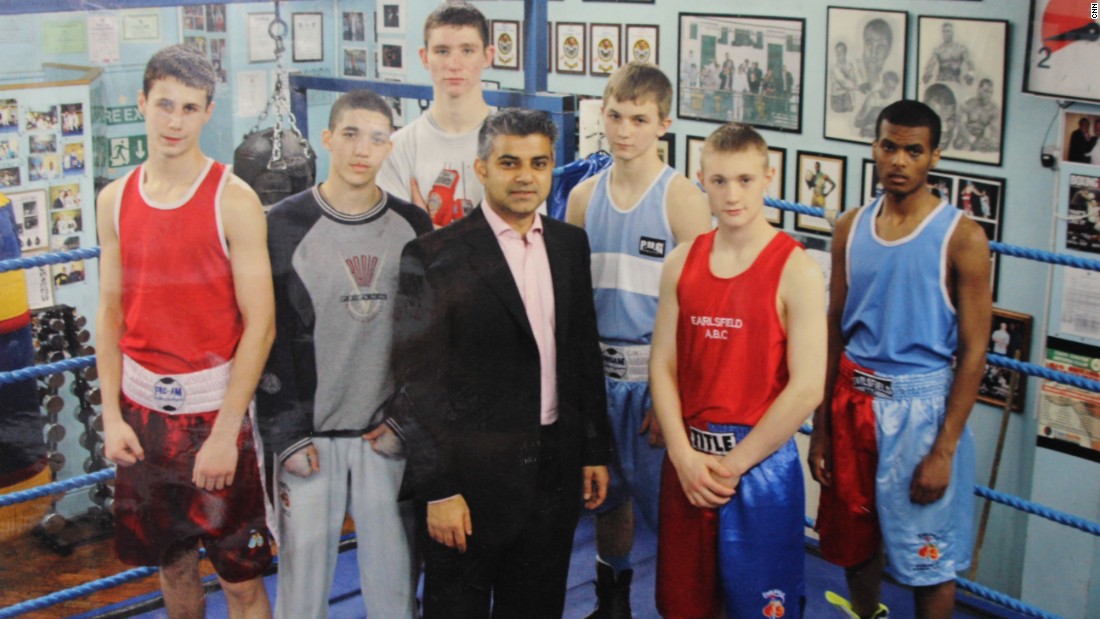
60, 333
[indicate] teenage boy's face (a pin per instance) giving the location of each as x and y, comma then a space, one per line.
174, 116
455, 56
632, 128
358, 144
735, 184
903, 157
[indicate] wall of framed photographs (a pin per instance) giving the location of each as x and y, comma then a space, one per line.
992, 67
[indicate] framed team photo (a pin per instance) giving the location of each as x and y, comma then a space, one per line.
505, 36
642, 43
570, 47
777, 158
741, 68
961, 74
606, 53
820, 184
865, 69
1010, 334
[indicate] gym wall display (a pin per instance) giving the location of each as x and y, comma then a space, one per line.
261, 47
871, 186
666, 149
694, 158
713, 52
390, 17
215, 18
391, 62
820, 184
981, 198
355, 27
308, 32
140, 27
606, 53
505, 37
1083, 213
39, 286
30, 219
866, 60
961, 74
1061, 51
777, 159
642, 43
570, 47
355, 62
1079, 138
1010, 333
1067, 415
590, 132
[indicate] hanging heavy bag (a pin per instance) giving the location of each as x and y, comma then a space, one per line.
275, 179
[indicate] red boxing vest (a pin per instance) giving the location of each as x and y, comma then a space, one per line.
731, 348
179, 306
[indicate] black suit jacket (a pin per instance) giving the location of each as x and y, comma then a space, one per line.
468, 372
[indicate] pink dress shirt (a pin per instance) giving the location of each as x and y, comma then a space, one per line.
530, 266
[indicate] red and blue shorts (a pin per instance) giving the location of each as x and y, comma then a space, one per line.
882, 428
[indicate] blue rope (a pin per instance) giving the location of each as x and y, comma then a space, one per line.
1004, 600
57, 487
1043, 372
1030, 507
794, 206
59, 257
78, 591
38, 371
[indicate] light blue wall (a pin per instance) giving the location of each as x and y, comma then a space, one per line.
1049, 565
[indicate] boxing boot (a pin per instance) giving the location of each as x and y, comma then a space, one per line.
846, 607
612, 594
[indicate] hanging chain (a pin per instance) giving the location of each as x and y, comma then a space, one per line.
279, 103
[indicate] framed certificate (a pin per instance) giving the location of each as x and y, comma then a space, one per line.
308, 31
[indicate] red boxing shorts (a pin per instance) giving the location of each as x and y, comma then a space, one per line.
159, 510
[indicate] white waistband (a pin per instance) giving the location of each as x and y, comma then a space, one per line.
717, 443
177, 394
629, 363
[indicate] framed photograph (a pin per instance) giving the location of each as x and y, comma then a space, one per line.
10, 177
1061, 40
355, 62
1010, 334
9, 115
391, 58
694, 158
872, 187
41, 118
642, 43
31, 224
39, 287
9, 148
308, 33
1079, 138
961, 74
67, 272
777, 158
666, 149
981, 198
72, 159
820, 184
607, 51
865, 62
591, 135
505, 37
741, 68
194, 18
215, 18
1082, 223
570, 47
390, 17
355, 26
261, 47
65, 197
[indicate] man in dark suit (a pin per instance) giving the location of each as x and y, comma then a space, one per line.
500, 386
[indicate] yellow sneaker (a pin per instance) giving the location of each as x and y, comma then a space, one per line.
846, 607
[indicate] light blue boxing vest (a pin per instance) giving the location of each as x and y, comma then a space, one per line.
628, 250
899, 318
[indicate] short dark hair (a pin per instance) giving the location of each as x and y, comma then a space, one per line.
734, 138
514, 121
880, 26
912, 113
184, 63
359, 100
457, 13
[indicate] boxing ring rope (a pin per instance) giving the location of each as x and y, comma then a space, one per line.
971, 587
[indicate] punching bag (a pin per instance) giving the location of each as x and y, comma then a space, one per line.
275, 179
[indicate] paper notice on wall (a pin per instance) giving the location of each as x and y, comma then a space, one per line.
1066, 413
103, 39
1080, 298
251, 92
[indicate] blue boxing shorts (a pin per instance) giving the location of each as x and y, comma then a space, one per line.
882, 428
636, 468
748, 553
